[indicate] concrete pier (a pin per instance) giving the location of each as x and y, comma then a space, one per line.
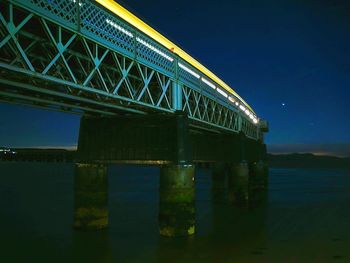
172, 141
258, 173
238, 184
90, 196
177, 200
219, 182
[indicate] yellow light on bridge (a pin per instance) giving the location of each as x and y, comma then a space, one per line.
142, 26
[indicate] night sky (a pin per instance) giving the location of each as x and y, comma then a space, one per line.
290, 60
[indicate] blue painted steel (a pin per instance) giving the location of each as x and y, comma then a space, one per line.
150, 75
93, 25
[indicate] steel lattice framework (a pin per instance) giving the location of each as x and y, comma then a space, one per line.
76, 56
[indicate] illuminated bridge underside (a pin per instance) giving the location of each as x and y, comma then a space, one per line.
78, 57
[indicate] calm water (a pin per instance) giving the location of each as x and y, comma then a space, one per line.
306, 219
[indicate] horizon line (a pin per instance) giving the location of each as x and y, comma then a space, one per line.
75, 147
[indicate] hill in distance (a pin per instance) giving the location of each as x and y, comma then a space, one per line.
307, 160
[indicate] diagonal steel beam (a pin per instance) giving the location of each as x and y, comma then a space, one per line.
146, 77
164, 87
61, 48
97, 62
125, 73
12, 30
187, 95
197, 97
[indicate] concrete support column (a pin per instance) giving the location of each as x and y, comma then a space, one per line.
177, 200
218, 182
258, 175
90, 196
262, 166
238, 182
265, 172
257, 183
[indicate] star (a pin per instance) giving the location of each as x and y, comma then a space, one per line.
283, 104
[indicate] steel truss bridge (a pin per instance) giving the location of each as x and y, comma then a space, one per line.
81, 56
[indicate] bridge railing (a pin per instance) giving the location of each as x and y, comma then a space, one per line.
203, 99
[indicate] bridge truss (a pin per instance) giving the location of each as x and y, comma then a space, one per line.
76, 56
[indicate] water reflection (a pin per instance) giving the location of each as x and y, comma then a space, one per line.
240, 189
92, 246
304, 218
179, 249
238, 233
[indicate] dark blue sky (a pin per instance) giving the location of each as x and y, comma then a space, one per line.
273, 53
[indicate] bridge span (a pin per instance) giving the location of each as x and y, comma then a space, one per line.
143, 100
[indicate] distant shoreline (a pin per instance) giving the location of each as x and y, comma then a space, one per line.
307, 160
293, 160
